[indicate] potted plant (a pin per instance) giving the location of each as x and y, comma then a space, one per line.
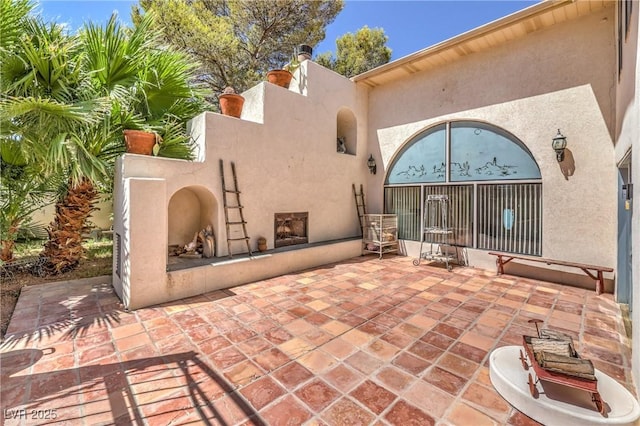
282, 77
142, 142
231, 103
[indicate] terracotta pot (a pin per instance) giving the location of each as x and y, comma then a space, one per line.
231, 104
262, 244
280, 78
139, 142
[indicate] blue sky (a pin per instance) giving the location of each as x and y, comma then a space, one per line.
409, 25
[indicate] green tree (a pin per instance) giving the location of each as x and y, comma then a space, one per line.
239, 41
357, 53
66, 99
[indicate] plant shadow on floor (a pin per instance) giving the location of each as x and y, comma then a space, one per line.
97, 262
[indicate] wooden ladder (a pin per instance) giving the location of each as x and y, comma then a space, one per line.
360, 206
238, 219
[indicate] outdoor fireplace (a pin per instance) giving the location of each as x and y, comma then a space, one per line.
290, 229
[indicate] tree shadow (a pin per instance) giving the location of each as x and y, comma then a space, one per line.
164, 388
73, 310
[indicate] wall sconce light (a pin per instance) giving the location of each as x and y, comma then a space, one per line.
371, 163
559, 144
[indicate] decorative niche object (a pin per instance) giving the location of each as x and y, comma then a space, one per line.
341, 146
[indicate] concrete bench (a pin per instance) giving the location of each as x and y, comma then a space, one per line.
593, 271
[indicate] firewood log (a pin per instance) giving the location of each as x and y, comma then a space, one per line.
568, 365
559, 347
552, 334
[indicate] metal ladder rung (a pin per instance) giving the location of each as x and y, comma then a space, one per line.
237, 223
235, 207
238, 239
232, 191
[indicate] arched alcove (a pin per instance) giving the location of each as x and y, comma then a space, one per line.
346, 132
190, 210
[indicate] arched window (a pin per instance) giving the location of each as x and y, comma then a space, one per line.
492, 180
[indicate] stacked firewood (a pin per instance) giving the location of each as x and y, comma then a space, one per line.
203, 244
555, 352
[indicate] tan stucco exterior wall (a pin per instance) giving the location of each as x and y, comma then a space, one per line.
284, 148
530, 87
628, 140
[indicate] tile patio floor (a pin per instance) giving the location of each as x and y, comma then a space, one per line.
365, 341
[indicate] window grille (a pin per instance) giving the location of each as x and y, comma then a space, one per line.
490, 177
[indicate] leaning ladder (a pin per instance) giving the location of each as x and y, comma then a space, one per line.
360, 206
239, 219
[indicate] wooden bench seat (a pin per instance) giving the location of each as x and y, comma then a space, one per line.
593, 271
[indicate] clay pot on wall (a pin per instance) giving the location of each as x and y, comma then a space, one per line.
280, 78
231, 103
139, 141
262, 244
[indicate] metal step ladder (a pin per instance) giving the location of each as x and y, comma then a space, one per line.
238, 217
360, 206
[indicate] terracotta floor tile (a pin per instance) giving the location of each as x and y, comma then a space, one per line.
419, 354
429, 398
411, 363
240, 334
271, 359
285, 412
462, 414
403, 414
357, 338
130, 342
397, 338
335, 327
518, 419
445, 380
458, 365
243, 373
426, 351
317, 361
296, 347
339, 348
478, 340
487, 398
278, 335
317, 394
292, 375
448, 331
227, 357
438, 340
364, 362
467, 351
347, 412
373, 396
254, 346
343, 378
262, 392
382, 350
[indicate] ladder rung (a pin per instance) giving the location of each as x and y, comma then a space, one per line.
238, 239
235, 207
232, 191
237, 223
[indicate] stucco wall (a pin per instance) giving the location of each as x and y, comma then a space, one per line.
628, 139
530, 87
284, 149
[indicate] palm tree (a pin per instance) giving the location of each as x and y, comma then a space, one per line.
67, 100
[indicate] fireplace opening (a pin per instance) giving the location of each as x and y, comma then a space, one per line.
290, 229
